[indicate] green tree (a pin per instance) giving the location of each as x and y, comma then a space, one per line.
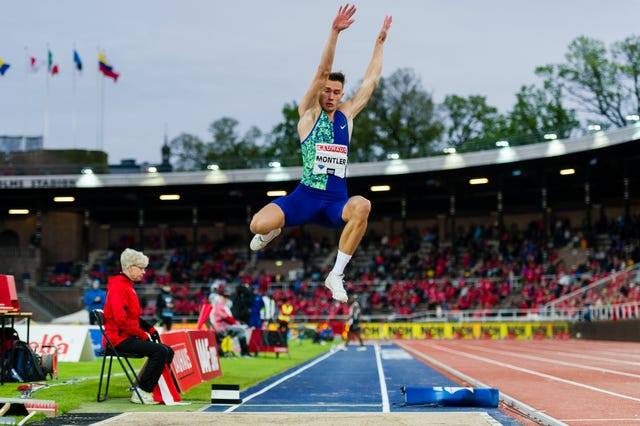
538, 112
367, 136
227, 149
627, 53
283, 143
597, 84
470, 122
188, 152
400, 117
230, 150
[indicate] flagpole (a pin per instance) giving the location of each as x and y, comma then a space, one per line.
73, 104
24, 98
46, 97
98, 108
101, 114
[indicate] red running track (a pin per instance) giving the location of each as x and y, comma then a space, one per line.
577, 382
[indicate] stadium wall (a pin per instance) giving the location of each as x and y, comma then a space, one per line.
62, 237
625, 331
62, 232
23, 226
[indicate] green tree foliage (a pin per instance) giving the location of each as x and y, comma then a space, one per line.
400, 117
470, 122
188, 152
597, 84
227, 149
230, 150
367, 135
538, 112
283, 143
627, 53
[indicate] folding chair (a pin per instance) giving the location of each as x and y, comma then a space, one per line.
123, 358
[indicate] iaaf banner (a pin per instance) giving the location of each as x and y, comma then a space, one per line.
206, 349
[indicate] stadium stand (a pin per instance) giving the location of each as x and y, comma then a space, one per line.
436, 249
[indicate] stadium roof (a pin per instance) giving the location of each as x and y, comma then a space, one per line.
418, 188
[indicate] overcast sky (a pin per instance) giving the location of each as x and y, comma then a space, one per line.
184, 64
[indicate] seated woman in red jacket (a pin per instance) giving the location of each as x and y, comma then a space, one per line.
130, 333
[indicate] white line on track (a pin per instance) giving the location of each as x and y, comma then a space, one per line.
554, 361
383, 383
281, 380
533, 413
534, 373
592, 356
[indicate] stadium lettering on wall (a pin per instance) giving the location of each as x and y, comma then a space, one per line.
37, 183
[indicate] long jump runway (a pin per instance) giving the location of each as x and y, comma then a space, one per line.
553, 382
359, 380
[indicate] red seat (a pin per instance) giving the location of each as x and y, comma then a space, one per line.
8, 294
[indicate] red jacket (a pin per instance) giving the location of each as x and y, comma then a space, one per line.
221, 317
122, 311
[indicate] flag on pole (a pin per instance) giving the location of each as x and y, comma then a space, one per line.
77, 60
34, 64
203, 317
3, 66
51, 67
105, 68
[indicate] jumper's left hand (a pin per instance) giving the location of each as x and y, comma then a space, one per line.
385, 28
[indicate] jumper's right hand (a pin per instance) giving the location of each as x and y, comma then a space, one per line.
343, 20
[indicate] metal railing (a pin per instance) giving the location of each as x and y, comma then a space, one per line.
624, 311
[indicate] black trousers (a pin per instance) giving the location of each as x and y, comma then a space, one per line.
158, 356
283, 327
166, 322
92, 318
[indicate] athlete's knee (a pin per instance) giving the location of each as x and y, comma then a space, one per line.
360, 207
266, 220
258, 225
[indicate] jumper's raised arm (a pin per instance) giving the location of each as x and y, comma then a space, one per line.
353, 106
309, 107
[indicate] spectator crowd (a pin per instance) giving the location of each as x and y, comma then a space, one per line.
484, 269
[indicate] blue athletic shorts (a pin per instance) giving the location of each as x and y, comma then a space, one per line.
310, 205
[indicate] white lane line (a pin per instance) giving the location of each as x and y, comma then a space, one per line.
383, 383
535, 373
594, 355
554, 361
281, 380
531, 412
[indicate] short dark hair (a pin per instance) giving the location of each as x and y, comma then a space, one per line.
337, 76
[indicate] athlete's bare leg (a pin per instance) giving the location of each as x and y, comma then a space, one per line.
356, 214
269, 217
266, 225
